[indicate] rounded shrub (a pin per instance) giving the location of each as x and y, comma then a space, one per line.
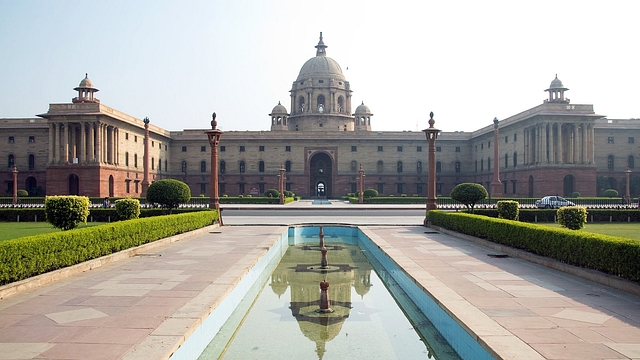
273, 193
610, 193
370, 193
288, 193
572, 217
508, 209
169, 193
575, 194
403, 195
127, 208
23, 193
469, 194
66, 212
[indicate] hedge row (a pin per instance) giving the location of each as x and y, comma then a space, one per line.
610, 254
253, 200
550, 215
95, 214
33, 255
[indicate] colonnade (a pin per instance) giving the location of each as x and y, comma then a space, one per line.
83, 142
559, 143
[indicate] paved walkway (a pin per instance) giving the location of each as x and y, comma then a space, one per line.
145, 306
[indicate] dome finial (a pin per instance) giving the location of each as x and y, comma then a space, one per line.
321, 47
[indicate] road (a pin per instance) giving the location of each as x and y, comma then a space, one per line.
326, 215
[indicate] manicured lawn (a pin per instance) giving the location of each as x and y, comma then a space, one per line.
627, 230
12, 230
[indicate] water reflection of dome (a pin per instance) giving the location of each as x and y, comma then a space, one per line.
279, 282
362, 281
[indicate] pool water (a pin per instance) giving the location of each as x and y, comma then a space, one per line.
367, 322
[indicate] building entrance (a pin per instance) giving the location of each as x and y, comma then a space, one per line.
320, 175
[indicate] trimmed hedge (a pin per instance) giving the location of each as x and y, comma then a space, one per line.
66, 212
33, 255
508, 209
609, 254
95, 214
128, 209
254, 200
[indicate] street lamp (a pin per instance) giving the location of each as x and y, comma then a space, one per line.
15, 184
432, 135
145, 159
214, 139
281, 183
496, 185
628, 172
361, 185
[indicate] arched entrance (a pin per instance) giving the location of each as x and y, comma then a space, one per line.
111, 186
320, 175
74, 184
530, 186
568, 185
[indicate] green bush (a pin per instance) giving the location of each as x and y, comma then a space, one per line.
572, 217
469, 194
288, 193
23, 193
169, 193
403, 195
368, 193
127, 209
33, 255
508, 209
575, 194
66, 212
272, 193
610, 193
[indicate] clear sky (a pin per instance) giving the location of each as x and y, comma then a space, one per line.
176, 62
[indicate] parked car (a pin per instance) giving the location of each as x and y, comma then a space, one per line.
553, 202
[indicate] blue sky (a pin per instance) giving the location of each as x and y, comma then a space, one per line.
178, 61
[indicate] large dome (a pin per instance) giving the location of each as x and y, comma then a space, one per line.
321, 65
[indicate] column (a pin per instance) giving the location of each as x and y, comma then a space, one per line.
117, 146
52, 132
65, 142
58, 143
584, 148
99, 142
552, 148
574, 151
545, 143
83, 143
593, 145
560, 157
91, 147
73, 142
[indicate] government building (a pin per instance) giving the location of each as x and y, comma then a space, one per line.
87, 148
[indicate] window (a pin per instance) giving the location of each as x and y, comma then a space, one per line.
630, 162
261, 188
135, 139
160, 146
223, 167
241, 188
242, 167
221, 188
241, 148
515, 159
203, 149
166, 168
287, 148
136, 191
438, 149
481, 146
419, 188
380, 148
515, 137
127, 187
159, 165
399, 167
203, 166
476, 165
457, 166
399, 148
135, 160
222, 148
399, 188
379, 166
32, 139
438, 166
261, 148
481, 165
184, 166
321, 82
419, 167
631, 140
153, 164
419, 149
287, 166
184, 149
354, 166
506, 160
11, 139
126, 137
203, 188
610, 162
354, 148
439, 188
513, 186
165, 147
489, 145
610, 140
457, 148
126, 159
32, 161
488, 164
354, 187
506, 140
261, 166
380, 188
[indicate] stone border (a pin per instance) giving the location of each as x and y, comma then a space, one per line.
587, 274
52, 276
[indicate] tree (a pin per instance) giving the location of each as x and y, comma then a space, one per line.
168, 193
469, 194
66, 212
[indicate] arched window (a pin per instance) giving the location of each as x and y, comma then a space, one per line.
32, 161
419, 167
630, 162
321, 104
203, 166
261, 166
301, 104
242, 167
184, 166
159, 165
399, 167
515, 159
610, 162
340, 104
457, 166
380, 166
153, 164
126, 158
506, 160
354, 166
135, 160
287, 166
438, 166
223, 167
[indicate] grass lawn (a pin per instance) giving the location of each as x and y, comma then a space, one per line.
12, 230
622, 229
